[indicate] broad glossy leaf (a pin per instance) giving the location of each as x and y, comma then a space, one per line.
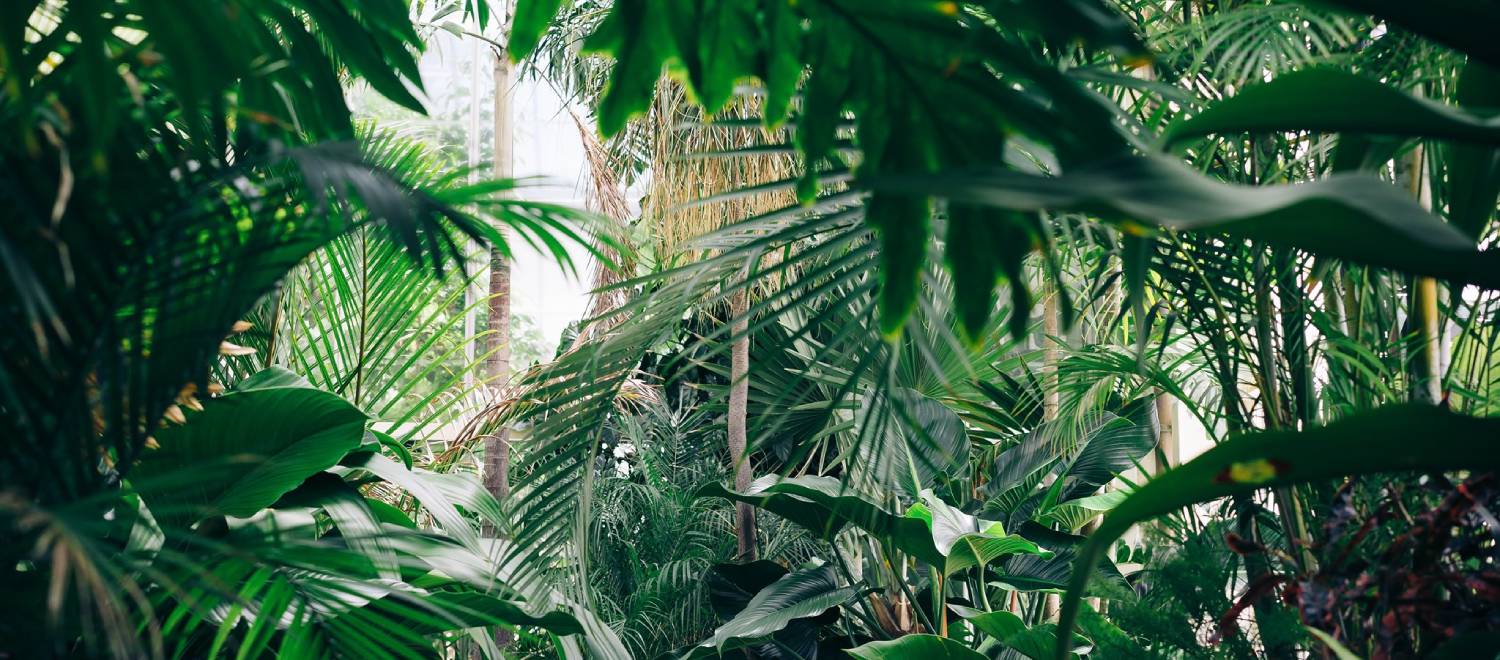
923, 442
1400, 437
933, 532
825, 506
966, 541
1115, 445
440, 494
1026, 572
1350, 217
247, 448
351, 514
916, 647
1333, 101
731, 586
1009, 631
803, 593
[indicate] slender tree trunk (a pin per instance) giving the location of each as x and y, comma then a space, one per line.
1051, 397
739, 394
497, 342
1427, 377
1168, 440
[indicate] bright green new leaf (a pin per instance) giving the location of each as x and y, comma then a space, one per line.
529, 24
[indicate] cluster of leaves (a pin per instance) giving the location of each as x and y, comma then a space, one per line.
1034, 138
246, 530
166, 168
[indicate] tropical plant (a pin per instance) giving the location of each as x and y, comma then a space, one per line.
945, 274
168, 167
1222, 248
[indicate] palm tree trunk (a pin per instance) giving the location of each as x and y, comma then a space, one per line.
739, 394
497, 341
1051, 397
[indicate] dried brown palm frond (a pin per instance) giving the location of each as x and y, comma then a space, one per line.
689, 168
605, 194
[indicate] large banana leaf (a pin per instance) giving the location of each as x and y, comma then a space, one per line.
1400, 437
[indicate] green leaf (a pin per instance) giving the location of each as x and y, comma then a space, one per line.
1333, 101
1010, 631
1112, 446
1400, 437
1095, 23
982, 245
916, 647
923, 442
800, 594
365, 55
901, 223
1459, 24
932, 532
530, 22
1474, 170
726, 50
825, 506
440, 494
966, 541
731, 586
1350, 217
783, 55
823, 105
638, 62
351, 514
1027, 572
471, 609
247, 448
1340, 651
